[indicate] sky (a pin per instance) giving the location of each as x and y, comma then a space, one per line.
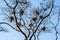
14, 35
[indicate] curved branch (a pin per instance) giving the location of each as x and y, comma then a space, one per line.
55, 27
16, 22
9, 25
8, 4
41, 21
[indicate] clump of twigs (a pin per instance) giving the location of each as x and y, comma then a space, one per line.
21, 11
34, 19
11, 18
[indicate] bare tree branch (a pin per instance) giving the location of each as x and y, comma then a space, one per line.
8, 4
9, 25
41, 22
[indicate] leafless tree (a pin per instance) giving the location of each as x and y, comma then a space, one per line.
32, 20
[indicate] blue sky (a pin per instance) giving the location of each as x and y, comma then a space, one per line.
14, 35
